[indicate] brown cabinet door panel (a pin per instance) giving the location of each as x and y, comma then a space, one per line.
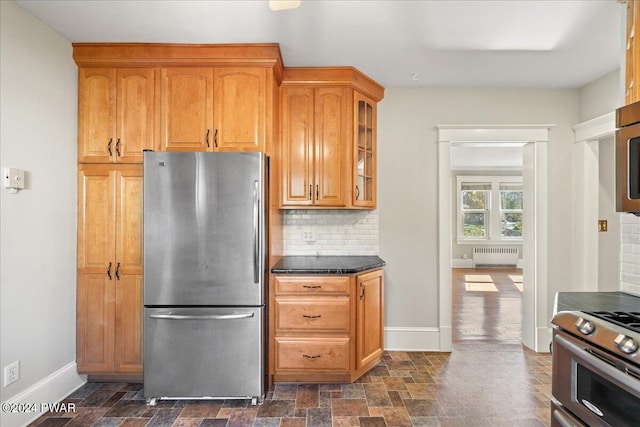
297, 146
128, 323
135, 114
186, 109
95, 323
370, 318
96, 115
240, 109
331, 138
128, 256
96, 219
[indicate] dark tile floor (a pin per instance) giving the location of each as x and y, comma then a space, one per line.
488, 380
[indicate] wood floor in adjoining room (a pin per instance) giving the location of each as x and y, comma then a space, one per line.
488, 380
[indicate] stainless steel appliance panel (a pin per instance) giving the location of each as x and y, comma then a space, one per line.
597, 387
204, 352
204, 229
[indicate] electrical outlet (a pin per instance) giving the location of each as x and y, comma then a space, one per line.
308, 236
11, 373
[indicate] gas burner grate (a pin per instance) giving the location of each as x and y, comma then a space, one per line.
629, 320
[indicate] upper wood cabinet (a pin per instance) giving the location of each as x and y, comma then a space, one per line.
240, 109
116, 114
364, 152
186, 109
632, 69
314, 126
109, 269
211, 109
328, 129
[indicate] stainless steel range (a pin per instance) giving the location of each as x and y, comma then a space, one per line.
596, 369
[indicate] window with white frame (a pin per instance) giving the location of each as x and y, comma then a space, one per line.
489, 208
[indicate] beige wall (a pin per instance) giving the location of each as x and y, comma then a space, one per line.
407, 189
38, 87
600, 97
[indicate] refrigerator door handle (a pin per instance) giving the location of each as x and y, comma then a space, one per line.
256, 232
171, 316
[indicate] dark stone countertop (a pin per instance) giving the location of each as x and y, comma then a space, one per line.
596, 301
326, 264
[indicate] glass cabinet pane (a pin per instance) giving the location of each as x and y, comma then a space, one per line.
364, 151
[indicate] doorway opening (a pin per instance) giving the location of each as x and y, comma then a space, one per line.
533, 139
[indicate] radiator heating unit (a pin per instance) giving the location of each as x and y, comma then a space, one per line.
495, 256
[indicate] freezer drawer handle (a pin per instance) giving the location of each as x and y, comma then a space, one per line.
171, 316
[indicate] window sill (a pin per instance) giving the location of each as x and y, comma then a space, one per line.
489, 242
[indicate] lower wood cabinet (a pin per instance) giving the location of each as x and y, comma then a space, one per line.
325, 328
109, 298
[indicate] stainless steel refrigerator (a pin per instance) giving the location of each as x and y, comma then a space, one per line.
204, 275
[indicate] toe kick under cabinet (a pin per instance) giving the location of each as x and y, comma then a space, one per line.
325, 328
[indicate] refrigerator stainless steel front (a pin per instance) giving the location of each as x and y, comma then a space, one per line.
204, 275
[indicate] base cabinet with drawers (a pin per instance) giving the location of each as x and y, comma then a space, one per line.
325, 328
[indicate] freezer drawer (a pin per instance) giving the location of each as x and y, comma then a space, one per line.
204, 352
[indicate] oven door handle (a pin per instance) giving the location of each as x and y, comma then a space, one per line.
562, 419
619, 376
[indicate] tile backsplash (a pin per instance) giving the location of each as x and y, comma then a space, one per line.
333, 232
630, 254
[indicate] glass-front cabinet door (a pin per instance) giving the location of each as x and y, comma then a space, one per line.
364, 173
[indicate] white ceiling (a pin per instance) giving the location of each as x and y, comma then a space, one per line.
436, 43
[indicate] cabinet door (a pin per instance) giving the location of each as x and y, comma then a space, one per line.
297, 146
96, 115
364, 153
135, 130
186, 109
95, 323
128, 323
96, 219
370, 331
128, 237
240, 109
331, 146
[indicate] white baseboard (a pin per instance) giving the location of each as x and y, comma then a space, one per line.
411, 339
462, 263
545, 335
51, 389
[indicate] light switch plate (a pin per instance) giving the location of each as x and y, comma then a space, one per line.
13, 178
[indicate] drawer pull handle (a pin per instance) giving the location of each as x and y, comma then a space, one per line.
311, 316
307, 356
311, 286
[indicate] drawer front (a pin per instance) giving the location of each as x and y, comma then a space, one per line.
309, 285
313, 355
327, 315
